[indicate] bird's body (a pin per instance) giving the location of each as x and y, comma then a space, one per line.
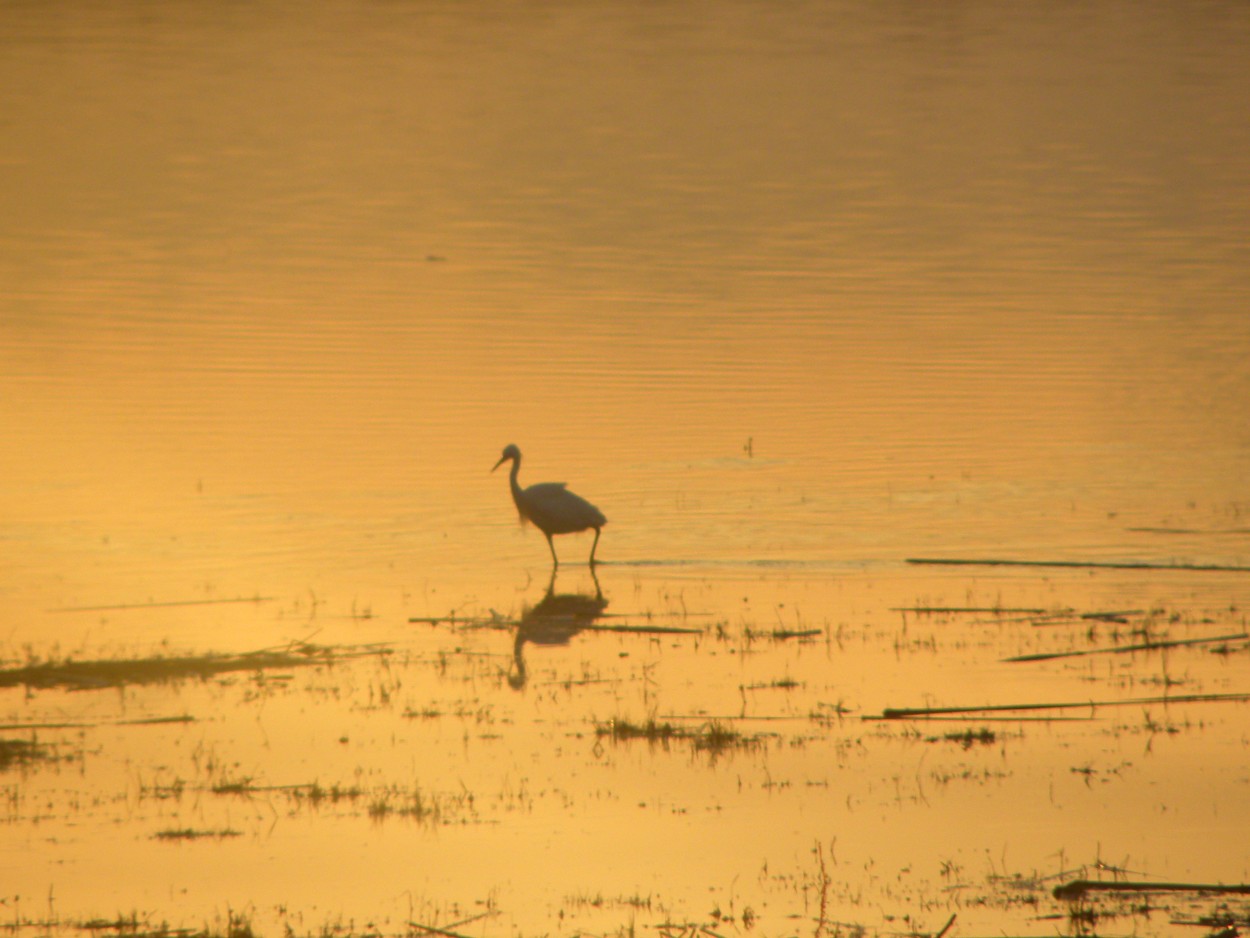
551, 507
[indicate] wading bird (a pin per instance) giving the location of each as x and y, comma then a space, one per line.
551, 507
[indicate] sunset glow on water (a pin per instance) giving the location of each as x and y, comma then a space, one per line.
795, 297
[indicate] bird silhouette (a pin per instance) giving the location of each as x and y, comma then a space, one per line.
551, 507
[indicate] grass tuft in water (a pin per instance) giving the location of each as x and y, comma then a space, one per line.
968, 738
713, 736
191, 833
15, 752
622, 730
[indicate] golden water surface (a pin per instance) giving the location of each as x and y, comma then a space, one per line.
793, 293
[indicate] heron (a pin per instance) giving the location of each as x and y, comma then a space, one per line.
551, 507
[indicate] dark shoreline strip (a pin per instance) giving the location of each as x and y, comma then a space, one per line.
1079, 887
1077, 564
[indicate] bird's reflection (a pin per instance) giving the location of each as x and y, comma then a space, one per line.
553, 620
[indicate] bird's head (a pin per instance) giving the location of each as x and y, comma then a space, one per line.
509, 452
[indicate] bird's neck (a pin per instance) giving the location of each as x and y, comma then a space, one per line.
516, 486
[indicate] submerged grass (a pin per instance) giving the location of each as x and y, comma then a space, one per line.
712, 736
134, 925
311, 793
419, 806
968, 738
191, 833
380, 803
19, 752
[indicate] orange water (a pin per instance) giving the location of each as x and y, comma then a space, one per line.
791, 295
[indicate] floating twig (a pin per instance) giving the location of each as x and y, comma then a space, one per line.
1114, 615
1077, 564
643, 629
5, 727
468, 622
119, 607
903, 713
436, 931
1068, 616
138, 721
947, 927
1148, 530
1124, 649
969, 610
781, 635
967, 717
761, 717
473, 918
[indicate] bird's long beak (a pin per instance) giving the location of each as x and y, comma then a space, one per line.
502, 460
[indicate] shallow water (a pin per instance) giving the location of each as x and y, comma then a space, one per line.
792, 297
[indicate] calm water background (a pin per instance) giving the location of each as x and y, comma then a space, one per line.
791, 293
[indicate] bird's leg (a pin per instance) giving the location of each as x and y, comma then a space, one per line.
554, 559
592, 548
517, 681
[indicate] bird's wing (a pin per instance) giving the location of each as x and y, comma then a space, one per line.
547, 494
557, 510
533, 499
